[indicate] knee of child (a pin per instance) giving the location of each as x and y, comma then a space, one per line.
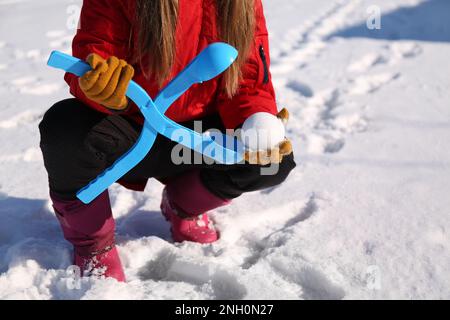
276, 174
53, 125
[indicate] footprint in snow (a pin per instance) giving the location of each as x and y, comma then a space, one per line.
301, 88
367, 62
34, 55
315, 283
310, 208
62, 42
401, 50
394, 53
28, 155
27, 117
168, 266
328, 129
32, 155
369, 247
59, 39
42, 90
369, 84
276, 239
320, 144
19, 82
333, 145
351, 123
316, 286
55, 33
34, 86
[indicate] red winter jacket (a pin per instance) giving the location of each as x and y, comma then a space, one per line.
107, 28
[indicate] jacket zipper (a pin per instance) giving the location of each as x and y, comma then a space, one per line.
262, 53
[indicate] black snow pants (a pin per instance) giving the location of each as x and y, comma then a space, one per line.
78, 143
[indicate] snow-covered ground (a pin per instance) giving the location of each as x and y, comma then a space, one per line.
366, 215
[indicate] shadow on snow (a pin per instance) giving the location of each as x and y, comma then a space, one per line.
428, 21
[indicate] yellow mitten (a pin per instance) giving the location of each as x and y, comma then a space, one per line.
276, 154
107, 82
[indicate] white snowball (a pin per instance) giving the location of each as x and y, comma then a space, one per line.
262, 131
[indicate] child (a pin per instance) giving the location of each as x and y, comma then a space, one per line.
151, 41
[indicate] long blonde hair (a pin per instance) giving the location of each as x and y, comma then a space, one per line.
157, 21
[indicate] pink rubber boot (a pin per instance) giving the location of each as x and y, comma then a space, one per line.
105, 264
90, 229
185, 204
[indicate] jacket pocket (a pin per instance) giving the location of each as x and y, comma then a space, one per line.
263, 57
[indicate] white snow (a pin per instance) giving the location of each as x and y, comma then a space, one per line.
364, 216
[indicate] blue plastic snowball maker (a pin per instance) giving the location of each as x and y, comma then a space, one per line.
211, 62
